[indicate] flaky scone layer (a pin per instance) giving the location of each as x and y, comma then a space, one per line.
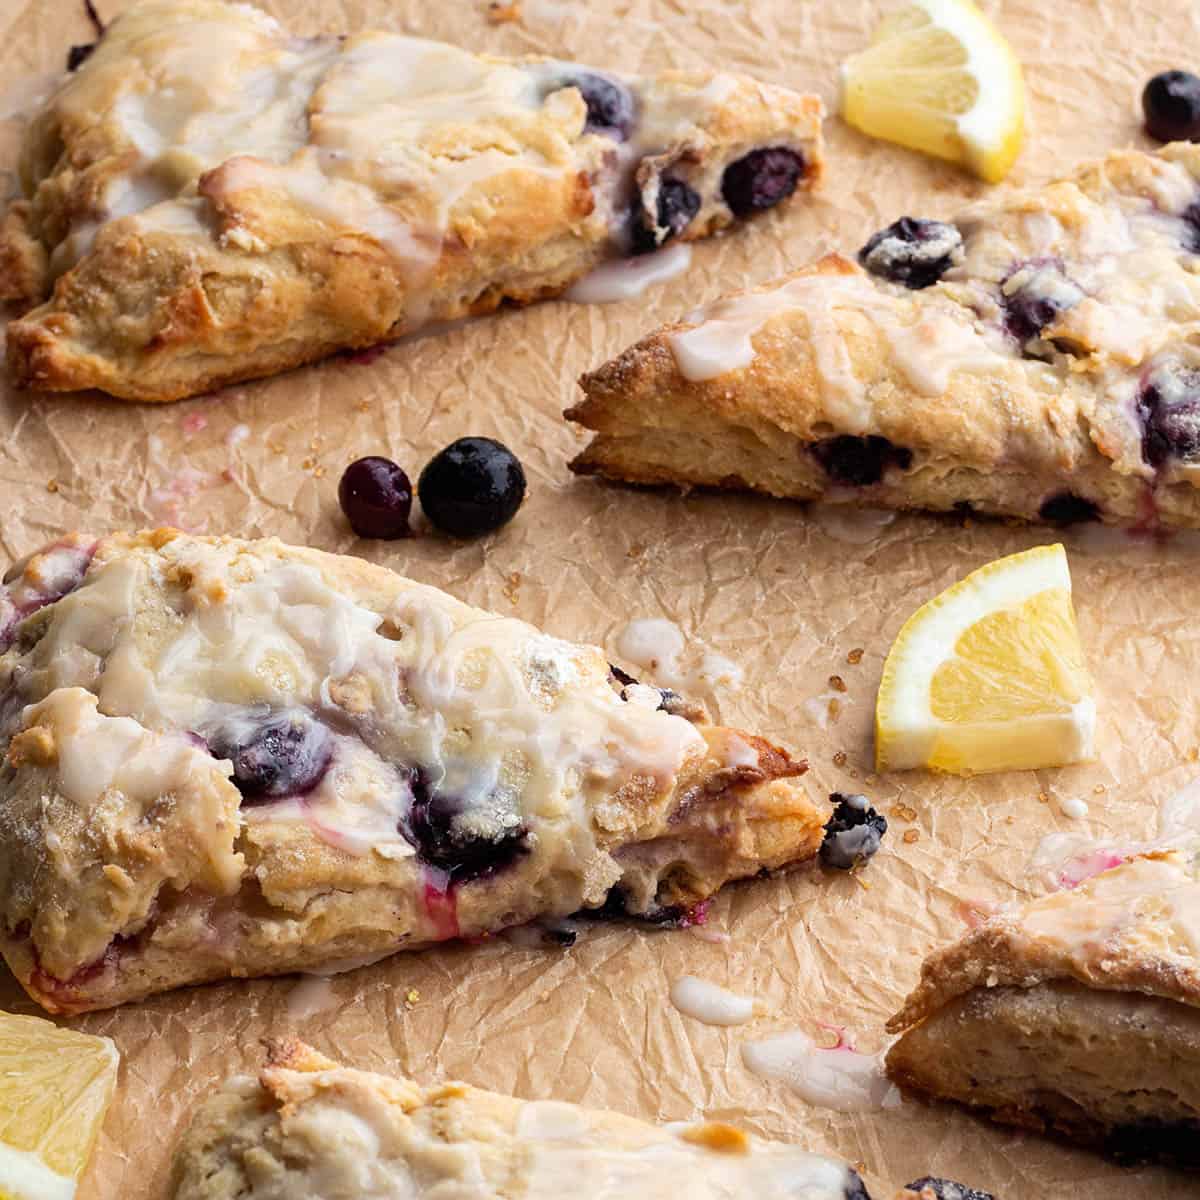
228, 757
1051, 370
1077, 1013
211, 199
308, 1126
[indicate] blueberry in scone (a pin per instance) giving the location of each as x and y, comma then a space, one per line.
1037, 357
310, 1127
1076, 1014
178, 231
235, 758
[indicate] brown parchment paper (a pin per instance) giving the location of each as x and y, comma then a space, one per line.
784, 592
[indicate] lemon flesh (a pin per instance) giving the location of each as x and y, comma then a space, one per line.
55, 1087
990, 675
939, 77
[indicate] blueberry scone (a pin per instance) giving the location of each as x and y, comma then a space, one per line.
1039, 358
210, 199
1076, 1014
308, 1127
232, 758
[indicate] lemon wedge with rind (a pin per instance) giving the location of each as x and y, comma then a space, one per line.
55, 1087
990, 675
940, 78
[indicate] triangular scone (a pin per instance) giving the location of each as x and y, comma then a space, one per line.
1038, 358
226, 757
309, 1127
213, 199
1077, 1013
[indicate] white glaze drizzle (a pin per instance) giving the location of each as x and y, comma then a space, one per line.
625, 278
706, 1002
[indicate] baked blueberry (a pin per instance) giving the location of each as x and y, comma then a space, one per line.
1034, 294
677, 204
1169, 408
945, 1189
855, 1188
273, 754
860, 461
376, 496
761, 179
472, 487
913, 251
1171, 106
609, 104
1066, 508
853, 834
1191, 227
465, 843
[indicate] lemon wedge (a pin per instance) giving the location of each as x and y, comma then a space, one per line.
939, 77
55, 1087
989, 676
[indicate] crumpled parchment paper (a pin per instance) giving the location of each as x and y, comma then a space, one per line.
785, 592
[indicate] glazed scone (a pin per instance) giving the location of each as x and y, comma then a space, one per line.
209, 199
309, 1129
1037, 358
1076, 1014
231, 758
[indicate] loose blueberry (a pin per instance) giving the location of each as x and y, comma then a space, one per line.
1171, 106
912, 251
853, 834
677, 206
376, 496
761, 179
441, 831
1043, 291
946, 1189
285, 754
1066, 508
609, 104
860, 461
472, 487
1169, 407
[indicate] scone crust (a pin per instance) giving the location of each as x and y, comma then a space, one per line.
972, 417
276, 1136
176, 267
132, 863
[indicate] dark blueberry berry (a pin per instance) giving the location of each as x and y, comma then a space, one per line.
930, 1188
855, 1188
473, 486
853, 834
609, 104
912, 251
442, 831
560, 935
1173, 1142
1191, 228
761, 179
860, 461
1171, 106
78, 55
1169, 407
1041, 293
376, 497
283, 754
1066, 508
677, 205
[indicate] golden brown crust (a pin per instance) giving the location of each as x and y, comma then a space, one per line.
132, 861
752, 392
187, 256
